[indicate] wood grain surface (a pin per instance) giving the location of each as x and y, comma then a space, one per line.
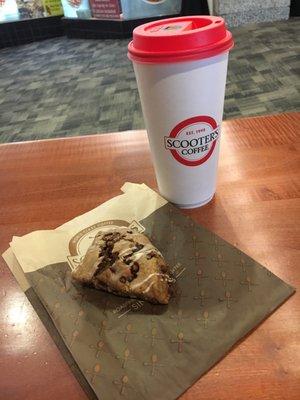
256, 207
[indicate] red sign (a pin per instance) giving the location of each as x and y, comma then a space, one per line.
105, 9
74, 3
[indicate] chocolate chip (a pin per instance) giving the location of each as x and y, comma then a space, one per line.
108, 235
106, 254
103, 264
129, 232
128, 255
130, 278
164, 268
114, 256
123, 279
112, 237
135, 268
137, 247
113, 269
151, 255
126, 258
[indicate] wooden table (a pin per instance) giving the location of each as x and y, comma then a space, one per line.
46, 183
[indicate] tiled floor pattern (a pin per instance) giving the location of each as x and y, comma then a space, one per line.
68, 87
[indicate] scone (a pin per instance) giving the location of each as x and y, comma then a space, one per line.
124, 262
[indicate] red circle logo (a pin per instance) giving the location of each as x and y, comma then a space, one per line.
193, 140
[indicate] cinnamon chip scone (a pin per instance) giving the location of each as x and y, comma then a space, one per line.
124, 262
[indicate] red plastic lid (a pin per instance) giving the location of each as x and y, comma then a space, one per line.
180, 39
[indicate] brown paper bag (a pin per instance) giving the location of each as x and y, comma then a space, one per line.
131, 349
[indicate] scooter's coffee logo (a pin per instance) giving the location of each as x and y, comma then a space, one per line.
193, 140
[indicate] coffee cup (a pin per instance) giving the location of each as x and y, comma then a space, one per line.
181, 66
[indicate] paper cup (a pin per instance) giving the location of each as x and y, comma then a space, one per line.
182, 100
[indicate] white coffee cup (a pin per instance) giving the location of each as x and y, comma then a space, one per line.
182, 97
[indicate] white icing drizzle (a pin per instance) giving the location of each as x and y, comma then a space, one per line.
148, 248
137, 284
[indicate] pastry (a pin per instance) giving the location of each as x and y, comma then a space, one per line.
124, 262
